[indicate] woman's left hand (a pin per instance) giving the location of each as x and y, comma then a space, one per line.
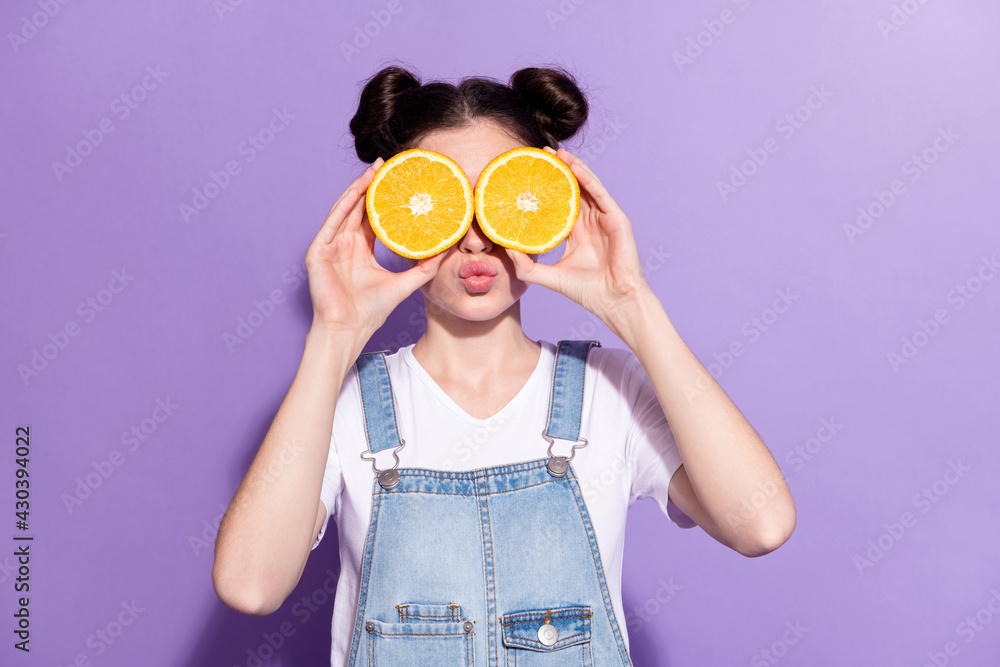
600, 267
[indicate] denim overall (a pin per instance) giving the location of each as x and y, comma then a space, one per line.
493, 567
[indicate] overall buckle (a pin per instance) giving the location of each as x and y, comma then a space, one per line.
558, 465
388, 478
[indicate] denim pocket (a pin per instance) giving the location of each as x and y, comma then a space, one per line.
412, 612
427, 634
524, 648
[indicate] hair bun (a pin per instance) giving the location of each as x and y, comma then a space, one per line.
376, 109
554, 99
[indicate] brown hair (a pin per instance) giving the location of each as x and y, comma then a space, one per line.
540, 106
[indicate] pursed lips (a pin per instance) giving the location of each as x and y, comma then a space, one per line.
477, 268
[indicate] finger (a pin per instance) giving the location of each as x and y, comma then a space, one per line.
356, 215
338, 213
368, 232
569, 158
530, 271
605, 204
589, 182
425, 269
587, 205
354, 221
372, 169
336, 216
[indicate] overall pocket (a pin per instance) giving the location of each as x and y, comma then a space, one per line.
426, 634
567, 640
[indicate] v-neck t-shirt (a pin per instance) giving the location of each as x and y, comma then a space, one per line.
631, 454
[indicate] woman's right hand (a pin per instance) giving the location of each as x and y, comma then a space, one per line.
350, 291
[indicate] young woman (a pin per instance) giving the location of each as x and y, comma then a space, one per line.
480, 479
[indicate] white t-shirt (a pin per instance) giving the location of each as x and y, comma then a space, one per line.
631, 454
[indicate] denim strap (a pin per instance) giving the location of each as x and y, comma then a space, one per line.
377, 398
566, 396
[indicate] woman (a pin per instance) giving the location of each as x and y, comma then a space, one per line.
492, 530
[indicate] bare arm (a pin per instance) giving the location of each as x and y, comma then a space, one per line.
267, 533
726, 464
727, 468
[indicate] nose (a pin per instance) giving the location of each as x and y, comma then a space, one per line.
475, 240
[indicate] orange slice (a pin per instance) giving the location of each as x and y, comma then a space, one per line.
527, 199
420, 203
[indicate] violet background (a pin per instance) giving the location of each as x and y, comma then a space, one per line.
660, 137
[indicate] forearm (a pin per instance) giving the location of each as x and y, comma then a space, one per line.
266, 535
725, 460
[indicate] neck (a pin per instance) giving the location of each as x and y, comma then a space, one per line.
474, 349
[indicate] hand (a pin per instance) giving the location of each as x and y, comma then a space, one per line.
350, 290
600, 267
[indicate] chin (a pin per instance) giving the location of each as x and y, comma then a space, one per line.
474, 307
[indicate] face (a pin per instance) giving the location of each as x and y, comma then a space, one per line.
472, 147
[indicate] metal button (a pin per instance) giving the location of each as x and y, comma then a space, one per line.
467, 626
389, 479
369, 626
557, 465
547, 634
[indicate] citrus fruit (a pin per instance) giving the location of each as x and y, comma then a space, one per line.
527, 199
420, 203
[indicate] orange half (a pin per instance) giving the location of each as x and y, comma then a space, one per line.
420, 203
527, 199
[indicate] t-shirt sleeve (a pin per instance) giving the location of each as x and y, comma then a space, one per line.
652, 450
328, 495
333, 479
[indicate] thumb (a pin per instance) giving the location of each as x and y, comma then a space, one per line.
414, 277
530, 271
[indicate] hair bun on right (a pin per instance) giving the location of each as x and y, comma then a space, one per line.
554, 99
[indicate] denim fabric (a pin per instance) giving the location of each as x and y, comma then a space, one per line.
464, 567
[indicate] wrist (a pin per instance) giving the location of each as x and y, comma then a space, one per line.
629, 317
341, 332
331, 346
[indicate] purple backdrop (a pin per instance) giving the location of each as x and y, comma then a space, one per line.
813, 181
